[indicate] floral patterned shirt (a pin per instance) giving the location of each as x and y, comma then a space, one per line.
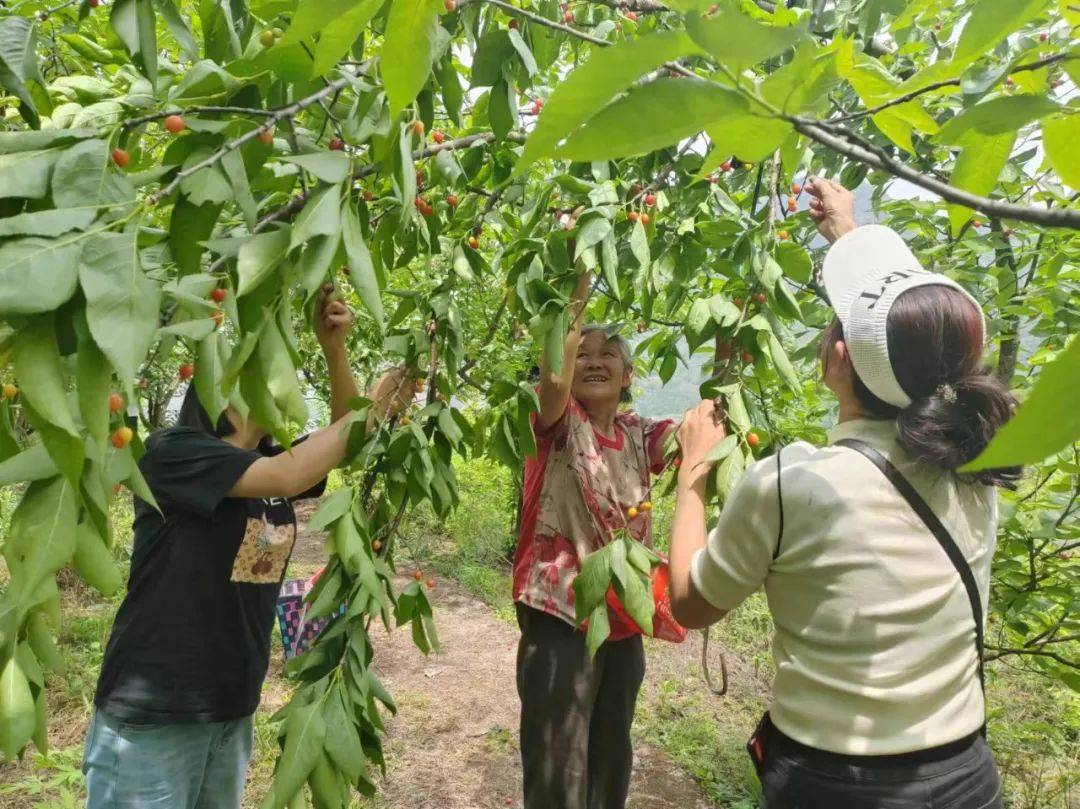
576, 494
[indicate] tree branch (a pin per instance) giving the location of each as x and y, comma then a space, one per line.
271, 121
255, 112
938, 85
876, 158
1006, 652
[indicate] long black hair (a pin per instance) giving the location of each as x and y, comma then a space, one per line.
194, 416
935, 340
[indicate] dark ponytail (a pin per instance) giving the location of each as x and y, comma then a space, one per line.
935, 339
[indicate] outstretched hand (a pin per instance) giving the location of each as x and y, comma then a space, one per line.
701, 430
832, 207
331, 319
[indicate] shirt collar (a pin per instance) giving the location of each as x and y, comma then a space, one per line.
875, 431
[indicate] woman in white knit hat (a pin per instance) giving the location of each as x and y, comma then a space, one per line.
874, 552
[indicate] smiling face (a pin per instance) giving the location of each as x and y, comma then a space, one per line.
600, 372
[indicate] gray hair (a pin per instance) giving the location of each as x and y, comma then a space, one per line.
612, 334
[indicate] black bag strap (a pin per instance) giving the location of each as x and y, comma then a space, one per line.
780, 505
941, 534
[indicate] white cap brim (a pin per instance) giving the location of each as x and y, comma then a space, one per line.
864, 272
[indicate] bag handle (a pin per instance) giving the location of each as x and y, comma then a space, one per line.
941, 534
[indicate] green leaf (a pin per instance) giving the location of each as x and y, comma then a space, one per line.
502, 108
592, 582
321, 216
121, 302
727, 475
134, 23
328, 166
990, 22
17, 716
999, 116
361, 270
19, 70
37, 367
84, 175
738, 41
233, 166
977, 169
636, 598
33, 463
782, 363
591, 232
93, 381
189, 227
408, 49
599, 629
315, 17
752, 137
675, 108
179, 28
209, 370
1060, 139
46, 223
42, 535
332, 508
208, 184
335, 40
555, 342
27, 173
37, 275
94, 561
342, 740
608, 72
722, 449
305, 735
258, 257
493, 51
794, 261
1045, 423
523, 51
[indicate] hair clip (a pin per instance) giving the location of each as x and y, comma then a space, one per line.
946, 392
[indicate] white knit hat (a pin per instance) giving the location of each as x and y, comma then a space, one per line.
864, 272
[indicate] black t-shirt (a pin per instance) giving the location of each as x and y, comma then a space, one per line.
191, 641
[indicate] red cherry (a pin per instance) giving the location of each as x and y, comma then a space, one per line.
93, 3
449, 5
644, 219
650, 199
474, 242
266, 137
568, 16
792, 205
796, 189
452, 200
760, 297
630, 15
121, 437
438, 136
418, 128
431, 584
116, 403
747, 357
175, 124
220, 294
725, 166
1044, 37
337, 144
219, 317
632, 216
678, 462
752, 439
738, 302
186, 371
120, 157
537, 105
369, 195
513, 25
416, 574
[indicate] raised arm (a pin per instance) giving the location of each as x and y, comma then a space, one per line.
331, 322
555, 388
290, 473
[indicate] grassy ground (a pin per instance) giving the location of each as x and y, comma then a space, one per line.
1034, 724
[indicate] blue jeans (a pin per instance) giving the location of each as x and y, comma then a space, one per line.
192, 766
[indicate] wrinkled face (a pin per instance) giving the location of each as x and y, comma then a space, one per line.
599, 372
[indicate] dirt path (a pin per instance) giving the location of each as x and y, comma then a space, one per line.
453, 743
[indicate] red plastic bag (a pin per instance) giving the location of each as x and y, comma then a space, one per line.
665, 627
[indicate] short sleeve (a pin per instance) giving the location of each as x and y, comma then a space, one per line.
739, 550
191, 470
315, 491
574, 412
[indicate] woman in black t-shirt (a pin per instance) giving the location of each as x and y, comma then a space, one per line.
189, 649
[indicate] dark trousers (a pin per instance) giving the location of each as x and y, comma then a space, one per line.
959, 775
575, 714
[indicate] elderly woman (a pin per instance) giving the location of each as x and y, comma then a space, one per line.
592, 467
874, 551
